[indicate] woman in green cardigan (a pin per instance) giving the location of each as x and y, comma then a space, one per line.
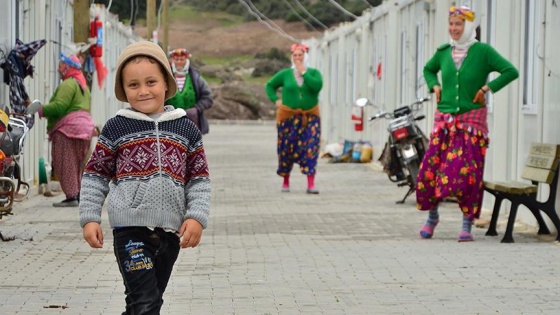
453, 165
194, 95
298, 120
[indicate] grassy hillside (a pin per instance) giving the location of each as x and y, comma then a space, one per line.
187, 14
216, 37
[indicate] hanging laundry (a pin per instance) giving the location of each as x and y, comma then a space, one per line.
17, 66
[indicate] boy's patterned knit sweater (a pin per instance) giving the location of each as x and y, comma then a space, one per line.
154, 171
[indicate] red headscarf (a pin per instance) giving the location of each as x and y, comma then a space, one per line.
303, 47
72, 66
178, 52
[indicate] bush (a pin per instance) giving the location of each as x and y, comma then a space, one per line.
266, 67
274, 54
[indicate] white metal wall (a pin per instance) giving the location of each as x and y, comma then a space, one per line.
31, 20
398, 38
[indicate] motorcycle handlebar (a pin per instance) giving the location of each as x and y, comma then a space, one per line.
386, 115
389, 115
20, 115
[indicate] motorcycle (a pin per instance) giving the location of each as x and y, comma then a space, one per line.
405, 146
13, 131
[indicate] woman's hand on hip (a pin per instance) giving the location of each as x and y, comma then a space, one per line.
437, 91
480, 97
278, 102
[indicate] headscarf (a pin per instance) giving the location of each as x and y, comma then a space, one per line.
72, 69
179, 52
469, 33
305, 49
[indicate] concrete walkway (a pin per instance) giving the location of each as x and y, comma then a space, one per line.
348, 250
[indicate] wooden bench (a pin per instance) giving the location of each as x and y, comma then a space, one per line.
541, 168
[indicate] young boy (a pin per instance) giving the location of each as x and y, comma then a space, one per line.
150, 161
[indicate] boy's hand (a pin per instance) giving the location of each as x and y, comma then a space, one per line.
190, 233
93, 234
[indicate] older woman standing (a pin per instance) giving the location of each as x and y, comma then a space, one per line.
193, 93
298, 119
453, 165
70, 127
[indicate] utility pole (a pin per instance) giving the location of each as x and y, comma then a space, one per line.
151, 18
81, 21
165, 25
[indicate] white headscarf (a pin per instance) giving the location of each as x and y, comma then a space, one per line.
181, 72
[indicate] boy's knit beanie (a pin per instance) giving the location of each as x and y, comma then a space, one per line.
149, 49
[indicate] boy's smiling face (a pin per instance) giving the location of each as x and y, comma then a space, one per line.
145, 85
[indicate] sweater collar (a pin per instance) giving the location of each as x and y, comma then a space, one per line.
170, 113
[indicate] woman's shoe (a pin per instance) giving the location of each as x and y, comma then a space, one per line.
465, 236
285, 188
313, 191
70, 202
427, 230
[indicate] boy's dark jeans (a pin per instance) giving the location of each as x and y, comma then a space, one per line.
146, 259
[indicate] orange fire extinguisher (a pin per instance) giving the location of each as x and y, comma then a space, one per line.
96, 31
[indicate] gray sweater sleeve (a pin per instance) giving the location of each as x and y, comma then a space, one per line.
197, 188
92, 196
198, 195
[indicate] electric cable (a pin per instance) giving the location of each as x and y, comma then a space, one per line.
310, 15
272, 23
280, 32
342, 9
299, 16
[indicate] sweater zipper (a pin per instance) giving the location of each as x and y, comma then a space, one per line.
158, 148
159, 156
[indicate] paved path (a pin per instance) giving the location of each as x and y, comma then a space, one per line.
349, 250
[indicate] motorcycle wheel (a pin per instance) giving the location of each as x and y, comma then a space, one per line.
413, 169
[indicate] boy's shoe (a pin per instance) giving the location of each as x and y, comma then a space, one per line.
70, 202
285, 188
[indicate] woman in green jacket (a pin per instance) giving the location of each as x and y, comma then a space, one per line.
298, 120
70, 128
453, 165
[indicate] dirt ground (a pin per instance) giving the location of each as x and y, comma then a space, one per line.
210, 39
